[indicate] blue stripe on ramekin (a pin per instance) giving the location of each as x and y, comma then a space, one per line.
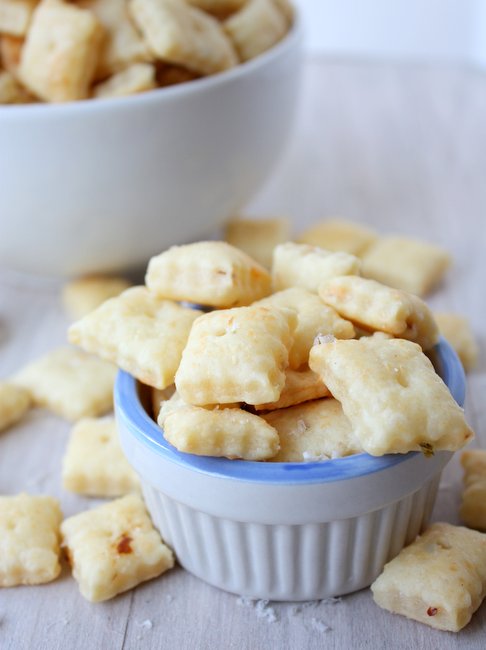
133, 416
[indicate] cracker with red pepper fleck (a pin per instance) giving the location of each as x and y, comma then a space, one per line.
113, 548
439, 580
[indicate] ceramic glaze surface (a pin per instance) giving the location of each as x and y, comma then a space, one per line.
283, 531
101, 185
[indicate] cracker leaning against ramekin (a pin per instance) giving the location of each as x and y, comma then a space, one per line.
392, 395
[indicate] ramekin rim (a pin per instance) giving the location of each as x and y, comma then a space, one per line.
294, 36
131, 413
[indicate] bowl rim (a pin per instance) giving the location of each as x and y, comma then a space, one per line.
294, 37
131, 414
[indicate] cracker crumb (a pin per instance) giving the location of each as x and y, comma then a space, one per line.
147, 624
332, 600
244, 601
264, 611
319, 625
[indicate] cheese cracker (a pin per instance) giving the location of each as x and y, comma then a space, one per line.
457, 330
300, 265
29, 540
473, 508
376, 307
61, 51
317, 430
236, 355
181, 34
313, 318
82, 296
70, 383
122, 44
406, 264
136, 78
257, 237
15, 16
228, 432
113, 548
94, 463
256, 27
300, 386
14, 403
208, 273
140, 333
439, 580
339, 235
392, 395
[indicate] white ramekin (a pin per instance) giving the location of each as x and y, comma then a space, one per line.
283, 531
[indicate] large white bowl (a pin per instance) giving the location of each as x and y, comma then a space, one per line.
283, 531
102, 185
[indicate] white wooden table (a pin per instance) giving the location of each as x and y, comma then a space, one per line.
400, 148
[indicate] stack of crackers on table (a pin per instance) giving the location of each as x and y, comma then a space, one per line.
309, 351
62, 50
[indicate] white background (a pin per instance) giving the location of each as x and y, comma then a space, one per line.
419, 29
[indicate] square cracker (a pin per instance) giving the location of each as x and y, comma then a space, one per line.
406, 264
136, 78
256, 27
208, 273
313, 318
15, 16
94, 463
457, 330
82, 296
14, 402
300, 386
339, 235
473, 508
174, 402
227, 432
140, 333
113, 548
61, 51
122, 44
181, 34
316, 430
29, 540
439, 580
257, 237
236, 355
392, 395
376, 307
301, 265
70, 383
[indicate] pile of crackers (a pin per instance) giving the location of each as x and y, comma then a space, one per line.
291, 355
62, 50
